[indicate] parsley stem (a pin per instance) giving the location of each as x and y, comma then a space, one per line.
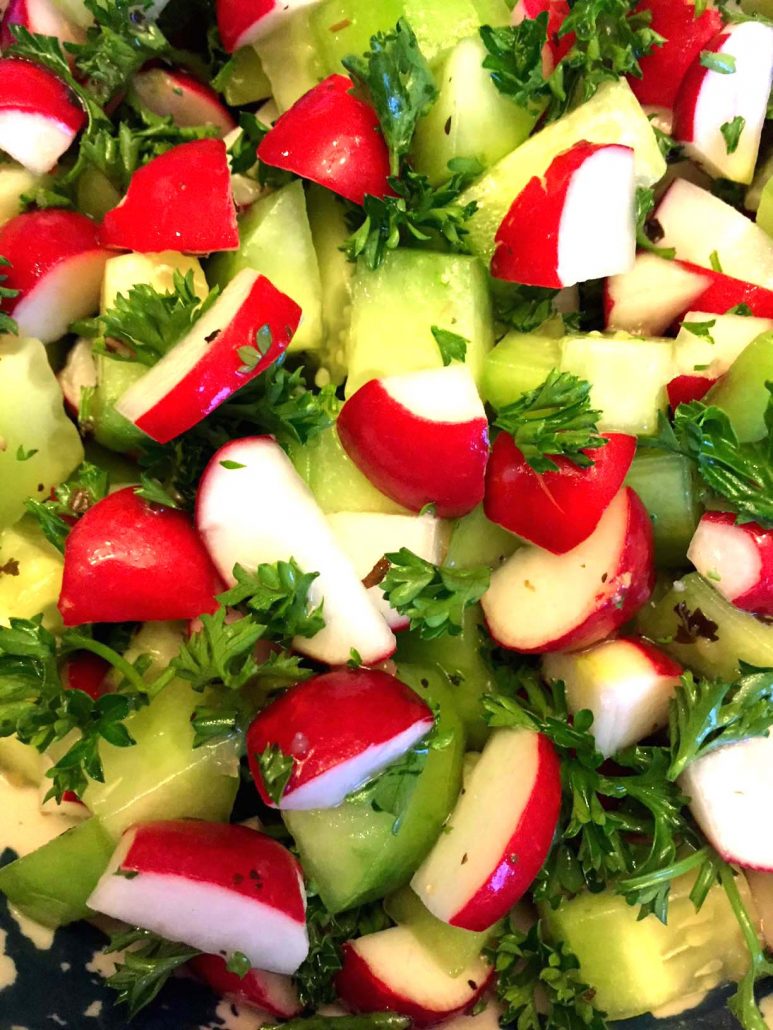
77, 642
665, 875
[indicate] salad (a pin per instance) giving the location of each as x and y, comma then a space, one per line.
386, 519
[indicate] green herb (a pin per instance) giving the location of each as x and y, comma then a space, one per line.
243, 154
391, 791
433, 597
645, 202
523, 308
714, 261
701, 329
252, 356
277, 595
555, 419
276, 768
452, 346
7, 324
731, 132
239, 964
743, 1004
147, 965
715, 62
368, 1021
87, 485
22, 455
399, 84
154, 492
232, 465
740, 309
515, 60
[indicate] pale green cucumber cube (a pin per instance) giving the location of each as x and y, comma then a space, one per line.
32, 579
290, 59
520, 362
452, 948
492, 12
666, 485
15, 180
110, 429
742, 393
329, 231
476, 540
247, 82
765, 209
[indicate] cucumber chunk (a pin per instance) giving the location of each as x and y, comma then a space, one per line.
329, 231
613, 115
276, 241
741, 392
156, 270
492, 12
475, 540
453, 949
352, 853
666, 485
23, 761
33, 578
247, 82
637, 966
110, 429
51, 885
518, 363
39, 445
740, 636
290, 59
15, 180
395, 307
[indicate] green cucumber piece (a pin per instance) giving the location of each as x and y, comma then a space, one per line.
395, 308
52, 884
612, 115
352, 852
492, 12
741, 392
740, 636
637, 966
666, 485
276, 241
15, 180
470, 118
329, 231
290, 59
40, 445
37, 583
96, 195
520, 362
453, 949
475, 540
110, 429
247, 82
765, 209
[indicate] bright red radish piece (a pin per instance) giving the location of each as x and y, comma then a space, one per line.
684, 389
172, 93
88, 673
268, 992
340, 730
39, 116
367, 536
40, 17
626, 683
243, 22
555, 510
219, 888
730, 791
575, 224
540, 602
129, 561
656, 293
332, 138
57, 265
556, 47
78, 374
736, 559
686, 33
207, 366
710, 99
180, 201
391, 971
498, 836
252, 508
421, 438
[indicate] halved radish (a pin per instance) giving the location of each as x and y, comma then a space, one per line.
684, 389
253, 507
269, 992
730, 791
540, 602
421, 438
40, 17
340, 730
390, 970
220, 888
57, 265
208, 365
710, 100
179, 201
332, 138
367, 536
173, 93
555, 510
79, 373
243, 22
39, 116
129, 561
498, 836
576, 223
626, 683
736, 559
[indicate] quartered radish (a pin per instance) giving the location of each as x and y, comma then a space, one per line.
220, 888
173, 93
273, 993
626, 683
42, 18
420, 438
541, 602
253, 507
243, 22
499, 834
340, 730
737, 559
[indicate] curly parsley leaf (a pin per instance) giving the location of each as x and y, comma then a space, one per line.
55, 516
366, 1021
743, 1004
648, 230
276, 768
731, 132
555, 419
277, 595
515, 60
7, 324
724, 64
522, 308
147, 964
452, 346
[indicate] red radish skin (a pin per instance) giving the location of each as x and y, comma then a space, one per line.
78, 374
87, 672
332, 138
391, 971
243, 22
42, 18
175, 94
39, 116
555, 510
180, 201
664, 67
268, 992
684, 389
57, 265
539, 602
218, 887
499, 834
736, 559
205, 368
130, 561
575, 224
340, 729
421, 438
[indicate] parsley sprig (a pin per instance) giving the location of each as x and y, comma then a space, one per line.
55, 516
7, 324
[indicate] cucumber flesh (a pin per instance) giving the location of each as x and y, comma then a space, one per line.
475, 540
453, 949
666, 485
110, 429
329, 231
290, 59
37, 583
518, 363
247, 82
741, 392
15, 180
